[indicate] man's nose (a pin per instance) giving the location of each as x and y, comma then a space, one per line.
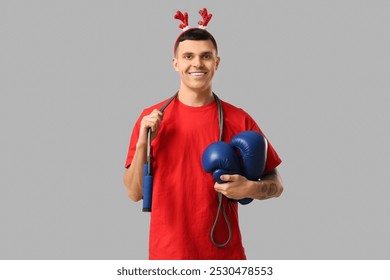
197, 61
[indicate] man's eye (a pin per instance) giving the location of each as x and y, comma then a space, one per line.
188, 56
206, 56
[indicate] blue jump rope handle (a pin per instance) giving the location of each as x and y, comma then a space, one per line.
147, 186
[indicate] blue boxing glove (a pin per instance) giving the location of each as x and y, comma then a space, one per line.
253, 150
220, 158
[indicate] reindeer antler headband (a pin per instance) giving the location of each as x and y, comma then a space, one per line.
184, 18
206, 17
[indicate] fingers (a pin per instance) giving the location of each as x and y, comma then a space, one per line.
233, 186
226, 190
230, 178
152, 120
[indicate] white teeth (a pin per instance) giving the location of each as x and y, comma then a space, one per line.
197, 73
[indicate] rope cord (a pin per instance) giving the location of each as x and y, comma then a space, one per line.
220, 196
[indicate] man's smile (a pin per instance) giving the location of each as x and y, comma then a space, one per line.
197, 73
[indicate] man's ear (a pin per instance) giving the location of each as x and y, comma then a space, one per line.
174, 63
217, 62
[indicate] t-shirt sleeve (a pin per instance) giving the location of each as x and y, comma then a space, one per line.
273, 159
133, 141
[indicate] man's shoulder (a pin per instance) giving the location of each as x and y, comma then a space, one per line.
159, 105
228, 107
238, 117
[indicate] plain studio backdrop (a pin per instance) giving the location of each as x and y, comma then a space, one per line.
75, 75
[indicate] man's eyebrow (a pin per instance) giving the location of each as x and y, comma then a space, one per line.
203, 53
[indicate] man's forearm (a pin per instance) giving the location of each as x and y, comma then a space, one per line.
269, 186
133, 175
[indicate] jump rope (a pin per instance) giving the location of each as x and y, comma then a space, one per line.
147, 185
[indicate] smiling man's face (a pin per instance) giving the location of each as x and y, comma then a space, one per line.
196, 62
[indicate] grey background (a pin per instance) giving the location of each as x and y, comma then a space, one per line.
75, 75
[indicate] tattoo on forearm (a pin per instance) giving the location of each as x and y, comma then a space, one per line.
264, 188
272, 190
269, 189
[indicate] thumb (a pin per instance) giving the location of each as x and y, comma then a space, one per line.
225, 178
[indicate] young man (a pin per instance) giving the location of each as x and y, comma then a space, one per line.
185, 197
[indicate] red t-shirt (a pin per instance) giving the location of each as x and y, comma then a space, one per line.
184, 203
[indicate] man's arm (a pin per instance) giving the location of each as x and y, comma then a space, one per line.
270, 185
134, 174
238, 187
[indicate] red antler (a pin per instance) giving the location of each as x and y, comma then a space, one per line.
206, 17
183, 18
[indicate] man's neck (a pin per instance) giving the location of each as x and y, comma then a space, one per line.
195, 98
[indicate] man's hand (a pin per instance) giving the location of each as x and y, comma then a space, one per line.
235, 186
152, 121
